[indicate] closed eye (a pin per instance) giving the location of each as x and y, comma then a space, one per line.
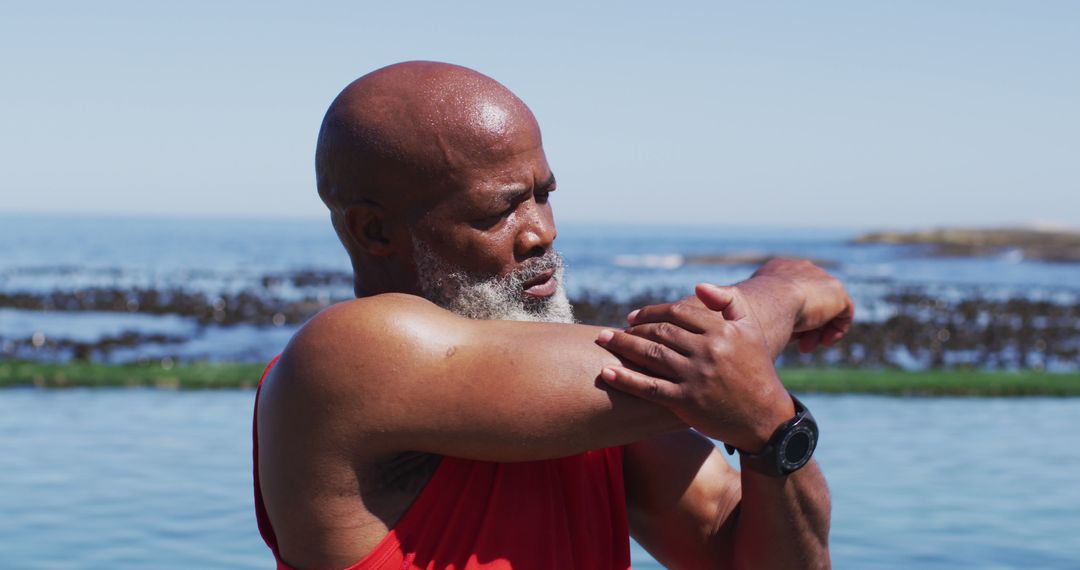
512, 198
505, 213
491, 221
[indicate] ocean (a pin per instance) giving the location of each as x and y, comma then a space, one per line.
155, 479
137, 289
144, 478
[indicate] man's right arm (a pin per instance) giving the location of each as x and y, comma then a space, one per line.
394, 372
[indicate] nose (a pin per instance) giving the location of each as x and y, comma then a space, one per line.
535, 237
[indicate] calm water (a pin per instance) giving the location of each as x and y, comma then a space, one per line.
154, 479
216, 255
158, 479
220, 257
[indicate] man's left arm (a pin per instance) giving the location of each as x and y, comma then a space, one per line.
689, 509
686, 505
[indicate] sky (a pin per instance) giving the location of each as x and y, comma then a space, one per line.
818, 114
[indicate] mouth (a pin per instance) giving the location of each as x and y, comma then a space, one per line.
543, 285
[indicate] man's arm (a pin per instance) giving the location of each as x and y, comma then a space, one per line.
689, 509
686, 505
381, 375
377, 376
790, 299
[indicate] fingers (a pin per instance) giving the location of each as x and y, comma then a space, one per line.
672, 336
839, 326
648, 354
842, 323
834, 331
809, 340
831, 336
692, 316
641, 385
830, 333
722, 300
715, 298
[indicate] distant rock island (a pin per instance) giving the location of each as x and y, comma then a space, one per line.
1034, 243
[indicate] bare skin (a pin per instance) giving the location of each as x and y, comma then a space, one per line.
368, 394
687, 506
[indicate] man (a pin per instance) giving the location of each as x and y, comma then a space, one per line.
393, 432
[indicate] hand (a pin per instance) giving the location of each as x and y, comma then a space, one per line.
827, 310
713, 372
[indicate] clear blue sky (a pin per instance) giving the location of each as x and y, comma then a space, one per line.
812, 113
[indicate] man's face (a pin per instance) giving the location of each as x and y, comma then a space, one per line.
495, 297
484, 248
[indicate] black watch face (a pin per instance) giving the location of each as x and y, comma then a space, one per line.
797, 448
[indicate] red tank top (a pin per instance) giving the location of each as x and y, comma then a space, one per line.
559, 513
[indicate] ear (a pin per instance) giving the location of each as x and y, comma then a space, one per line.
367, 226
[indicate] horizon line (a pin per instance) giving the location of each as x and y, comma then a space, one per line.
571, 220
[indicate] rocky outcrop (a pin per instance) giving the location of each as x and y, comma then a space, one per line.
1054, 245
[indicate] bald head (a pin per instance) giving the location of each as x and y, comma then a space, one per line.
423, 154
394, 134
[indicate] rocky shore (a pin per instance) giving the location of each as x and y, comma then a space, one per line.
914, 329
923, 332
1038, 244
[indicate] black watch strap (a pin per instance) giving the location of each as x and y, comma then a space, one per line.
790, 447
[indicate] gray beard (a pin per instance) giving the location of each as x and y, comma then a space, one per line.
492, 297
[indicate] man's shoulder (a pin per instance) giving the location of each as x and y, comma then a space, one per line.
361, 325
359, 314
354, 341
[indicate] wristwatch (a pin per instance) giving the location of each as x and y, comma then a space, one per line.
789, 448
